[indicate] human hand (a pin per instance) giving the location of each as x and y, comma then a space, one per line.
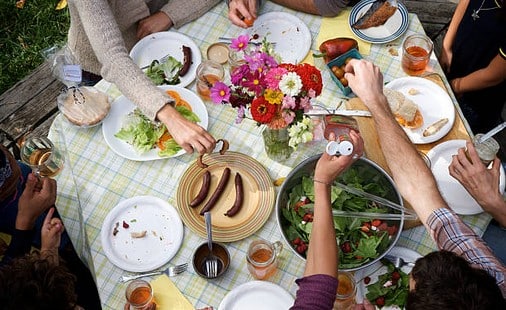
187, 134
51, 232
366, 81
480, 182
329, 167
157, 22
445, 59
241, 12
35, 199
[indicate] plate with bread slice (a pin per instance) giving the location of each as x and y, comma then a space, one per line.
422, 108
378, 21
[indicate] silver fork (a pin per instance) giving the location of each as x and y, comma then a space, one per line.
211, 259
399, 261
171, 271
161, 60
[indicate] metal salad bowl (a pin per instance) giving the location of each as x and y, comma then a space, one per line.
356, 234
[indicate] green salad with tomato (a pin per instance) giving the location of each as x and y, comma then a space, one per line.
391, 289
361, 240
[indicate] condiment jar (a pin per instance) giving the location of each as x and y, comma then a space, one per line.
139, 296
262, 258
346, 291
487, 150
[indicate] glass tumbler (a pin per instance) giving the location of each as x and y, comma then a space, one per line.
139, 296
416, 51
346, 291
42, 156
208, 73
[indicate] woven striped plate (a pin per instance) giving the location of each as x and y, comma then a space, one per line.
259, 196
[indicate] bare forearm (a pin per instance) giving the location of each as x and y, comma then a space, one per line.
454, 24
322, 252
411, 175
489, 76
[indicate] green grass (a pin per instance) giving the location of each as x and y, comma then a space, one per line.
24, 33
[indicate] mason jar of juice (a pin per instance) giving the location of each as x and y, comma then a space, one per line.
139, 296
262, 258
208, 73
346, 291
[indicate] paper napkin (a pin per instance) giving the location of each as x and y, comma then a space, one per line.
168, 296
336, 27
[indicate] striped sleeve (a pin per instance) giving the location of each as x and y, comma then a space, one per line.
451, 234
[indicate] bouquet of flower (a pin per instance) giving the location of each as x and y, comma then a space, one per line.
275, 94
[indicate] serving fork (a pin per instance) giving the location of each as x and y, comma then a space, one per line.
398, 261
171, 271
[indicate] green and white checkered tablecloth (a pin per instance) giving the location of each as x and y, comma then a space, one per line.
95, 179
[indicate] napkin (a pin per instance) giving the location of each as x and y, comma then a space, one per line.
335, 27
168, 296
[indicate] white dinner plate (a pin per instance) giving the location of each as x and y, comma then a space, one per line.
433, 102
164, 234
123, 106
291, 35
454, 193
256, 295
377, 269
393, 28
159, 44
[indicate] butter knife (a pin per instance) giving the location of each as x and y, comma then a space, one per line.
318, 112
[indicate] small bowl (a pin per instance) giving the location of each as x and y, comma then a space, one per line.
218, 52
339, 61
201, 253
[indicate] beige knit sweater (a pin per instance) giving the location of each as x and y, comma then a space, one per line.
102, 32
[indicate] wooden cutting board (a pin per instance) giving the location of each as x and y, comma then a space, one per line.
371, 140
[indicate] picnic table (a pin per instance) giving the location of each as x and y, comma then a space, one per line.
96, 179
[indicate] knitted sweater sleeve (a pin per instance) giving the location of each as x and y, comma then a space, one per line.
117, 67
184, 11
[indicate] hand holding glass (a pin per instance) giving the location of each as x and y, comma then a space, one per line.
42, 156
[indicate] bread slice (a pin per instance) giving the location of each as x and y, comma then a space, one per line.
406, 112
379, 12
84, 106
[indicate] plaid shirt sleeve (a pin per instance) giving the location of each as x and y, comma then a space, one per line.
451, 234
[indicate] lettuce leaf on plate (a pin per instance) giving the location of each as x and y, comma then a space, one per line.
140, 132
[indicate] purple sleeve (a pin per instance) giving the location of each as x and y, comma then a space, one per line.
315, 292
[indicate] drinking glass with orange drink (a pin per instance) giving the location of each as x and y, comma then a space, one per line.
262, 258
139, 296
42, 156
346, 291
208, 73
416, 51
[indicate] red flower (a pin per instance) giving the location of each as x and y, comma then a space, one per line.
311, 78
262, 111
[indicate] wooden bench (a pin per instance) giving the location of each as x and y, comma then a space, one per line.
29, 106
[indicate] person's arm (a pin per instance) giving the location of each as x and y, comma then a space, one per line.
181, 12
489, 76
480, 182
317, 289
449, 38
322, 252
32, 203
106, 39
411, 175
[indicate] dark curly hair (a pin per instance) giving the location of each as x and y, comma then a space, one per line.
445, 280
34, 283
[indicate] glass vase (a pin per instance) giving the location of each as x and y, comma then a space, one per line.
276, 143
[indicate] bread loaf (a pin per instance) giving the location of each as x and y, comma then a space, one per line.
406, 112
84, 106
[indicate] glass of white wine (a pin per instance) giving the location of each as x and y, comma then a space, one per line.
42, 156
